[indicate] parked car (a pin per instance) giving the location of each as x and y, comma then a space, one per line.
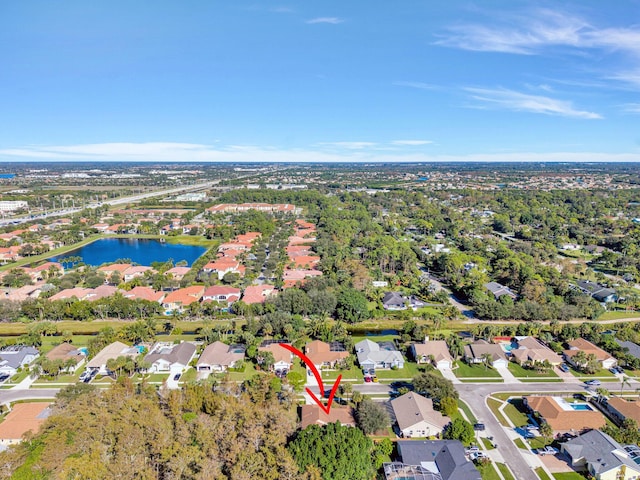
479, 427
548, 450
176, 377
564, 367
593, 383
471, 450
367, 379
4, 377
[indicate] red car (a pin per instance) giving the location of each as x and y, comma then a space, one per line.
367, 379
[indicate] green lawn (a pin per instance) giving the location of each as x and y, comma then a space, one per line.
520, 372
354, 373
514, 411
600, 373
539, 442
542, 474
506, 473
189, 376
467, 411
488, 472
18, 377
618, 315
465, 370
487, 443
568, 476
410, 370
494, 405
61, 378
520, 444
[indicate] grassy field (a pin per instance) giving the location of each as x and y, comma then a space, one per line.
520, 444
619, 315
465, 370
514, 411
488, 472
465, 408
542, 474
494, 405
603, 372
568, 476
520, 372
487, 443
506, 473
409, 371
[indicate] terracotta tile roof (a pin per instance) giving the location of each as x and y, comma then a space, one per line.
24, 417
563, 420
145, 293
630, 409
184, 296
314, 415
587, 347
116, 267
437, 348
320, 352
257, 293
280, 354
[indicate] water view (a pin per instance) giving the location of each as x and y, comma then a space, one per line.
141, 251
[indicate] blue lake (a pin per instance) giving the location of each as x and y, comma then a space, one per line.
140, 251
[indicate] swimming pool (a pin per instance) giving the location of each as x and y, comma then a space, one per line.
580, 406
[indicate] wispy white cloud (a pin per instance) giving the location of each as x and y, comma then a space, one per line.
349, 145
522, 102
411, 143
420, 85
188, 152
531, 32
331, 20
632, 107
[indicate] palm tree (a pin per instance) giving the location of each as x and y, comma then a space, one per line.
623, 382
486, 359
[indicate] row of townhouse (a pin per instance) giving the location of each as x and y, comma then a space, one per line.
302, 260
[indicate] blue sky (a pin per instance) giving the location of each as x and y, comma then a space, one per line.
409, 80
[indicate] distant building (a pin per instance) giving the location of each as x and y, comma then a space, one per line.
397, 301
12, 205
498, 290
599, 292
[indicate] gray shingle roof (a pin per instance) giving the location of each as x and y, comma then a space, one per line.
448, 455
599, 450
634, 348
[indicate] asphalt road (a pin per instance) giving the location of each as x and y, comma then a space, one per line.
475, 396
14, 395
115, 201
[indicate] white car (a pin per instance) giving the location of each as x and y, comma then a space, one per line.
548, 450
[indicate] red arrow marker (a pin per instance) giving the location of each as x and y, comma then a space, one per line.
316, 374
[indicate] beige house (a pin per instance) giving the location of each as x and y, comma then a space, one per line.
532, 351
314, 415
580, 344
434, 351
325, 355
218, 357
114, 350
23, 418
475, 353
416, 417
